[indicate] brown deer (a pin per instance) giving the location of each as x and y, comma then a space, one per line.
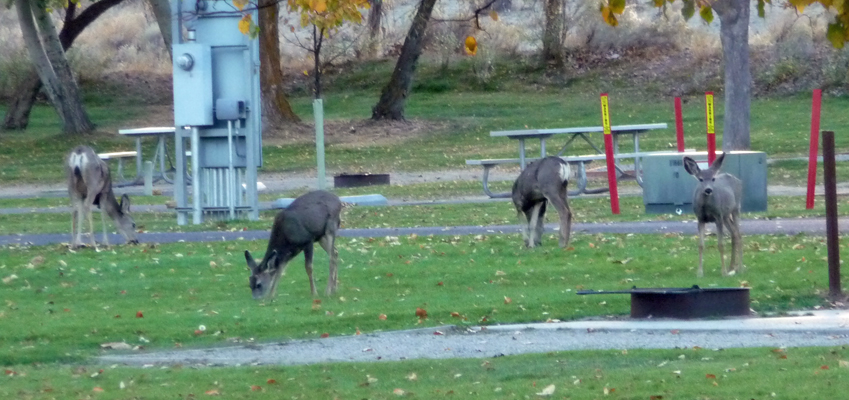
313, 217
89, 183
543, 181
717, 199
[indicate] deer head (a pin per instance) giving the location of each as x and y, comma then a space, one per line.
124, 220
262, 278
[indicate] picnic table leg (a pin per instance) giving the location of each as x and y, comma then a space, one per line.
637, 171
586, 139
138, 158
568, 142
542, 147
582, 180
522, 153
486, 185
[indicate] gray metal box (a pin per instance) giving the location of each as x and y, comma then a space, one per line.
668, 188
192, 84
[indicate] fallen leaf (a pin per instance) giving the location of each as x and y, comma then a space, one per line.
412, 376
255, 388
382, 317
421, 313
824, 367
710, 376
325, 335
399, 392
116, 346
140, 315
97, 389
455, 314
507, 300
213, 392
271, 382
548, 391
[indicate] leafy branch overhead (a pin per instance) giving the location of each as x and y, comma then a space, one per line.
325, 15
837, 34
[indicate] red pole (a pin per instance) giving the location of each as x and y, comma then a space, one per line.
711, 133
814, 147
608, 152
679, 125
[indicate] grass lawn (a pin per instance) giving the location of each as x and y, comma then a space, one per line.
585, 209
60, 305
691, 373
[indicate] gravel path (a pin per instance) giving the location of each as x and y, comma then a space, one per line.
825, 328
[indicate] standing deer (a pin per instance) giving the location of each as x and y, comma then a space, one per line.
313, 217
89, 183
717, 199
543, 181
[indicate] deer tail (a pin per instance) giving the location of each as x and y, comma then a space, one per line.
77, 162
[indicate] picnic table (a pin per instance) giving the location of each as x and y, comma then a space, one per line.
574, 133
159, 156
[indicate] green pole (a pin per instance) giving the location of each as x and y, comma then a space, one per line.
318, 111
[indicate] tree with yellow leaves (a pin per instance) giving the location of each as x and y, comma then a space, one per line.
326, 17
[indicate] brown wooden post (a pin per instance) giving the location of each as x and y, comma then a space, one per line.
832, 240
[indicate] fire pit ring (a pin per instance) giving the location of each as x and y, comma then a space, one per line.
357, 180
684, 303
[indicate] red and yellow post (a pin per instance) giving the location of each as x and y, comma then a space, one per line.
608, 153
711, 133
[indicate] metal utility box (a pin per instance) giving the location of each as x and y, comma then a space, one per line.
668, 188
217, 107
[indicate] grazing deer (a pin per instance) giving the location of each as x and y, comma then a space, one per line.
313, 217
89, 183
717, 199
543, 181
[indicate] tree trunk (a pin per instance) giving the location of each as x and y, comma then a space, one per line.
68, 95
317, 39
37, 55
17, 114
734, 33
276, 110
394, 95
162, 13
375, 15
552, 37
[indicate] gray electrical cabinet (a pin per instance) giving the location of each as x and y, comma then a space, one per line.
668, 188
217, 106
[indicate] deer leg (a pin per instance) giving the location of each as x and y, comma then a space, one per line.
308, 266
700, 273
328, 243
736, 245
75, 234
103, 222
533, 225
720, 245
561, 204
87, 212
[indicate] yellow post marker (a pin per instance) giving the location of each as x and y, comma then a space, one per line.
608, 152
711, 133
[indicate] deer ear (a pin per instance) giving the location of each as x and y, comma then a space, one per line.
125, 203
691, 166
250, 260
273, 260
717, 164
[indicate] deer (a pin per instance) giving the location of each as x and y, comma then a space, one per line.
89, 183
717, 199
312, 217
543, 181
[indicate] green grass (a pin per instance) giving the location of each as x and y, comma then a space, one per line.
585, 209
795, 373
59, 306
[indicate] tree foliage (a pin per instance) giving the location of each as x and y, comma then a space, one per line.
837, 33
